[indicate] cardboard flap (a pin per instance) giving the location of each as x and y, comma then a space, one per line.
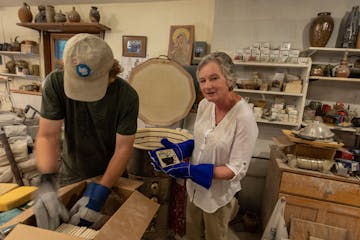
27, 232
131, 220
128, 184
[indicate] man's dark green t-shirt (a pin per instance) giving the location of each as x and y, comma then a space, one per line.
90, 127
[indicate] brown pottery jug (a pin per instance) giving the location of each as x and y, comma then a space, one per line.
321, 29
343, 69
25, 14
73, 16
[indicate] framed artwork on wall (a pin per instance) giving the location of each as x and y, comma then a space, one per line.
134, 46
57, 44
181, 43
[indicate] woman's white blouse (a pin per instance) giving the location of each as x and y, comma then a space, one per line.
230, 143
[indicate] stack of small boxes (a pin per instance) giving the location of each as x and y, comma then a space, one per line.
262, 52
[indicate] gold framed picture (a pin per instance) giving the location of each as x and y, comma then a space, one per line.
134, 46
181, 43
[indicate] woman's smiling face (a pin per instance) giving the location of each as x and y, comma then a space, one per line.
213, 84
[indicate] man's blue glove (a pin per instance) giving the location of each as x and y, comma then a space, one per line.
86, 211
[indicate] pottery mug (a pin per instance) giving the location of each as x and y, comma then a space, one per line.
35, 70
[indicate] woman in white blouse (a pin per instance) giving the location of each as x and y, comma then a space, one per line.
225, 133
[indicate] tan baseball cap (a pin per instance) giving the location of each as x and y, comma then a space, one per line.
87, 63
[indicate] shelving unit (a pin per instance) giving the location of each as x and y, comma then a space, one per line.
332, 89
10, 77
48, 31
267, 71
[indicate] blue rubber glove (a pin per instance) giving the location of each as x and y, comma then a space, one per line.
201, 174
170, 158
171, 153
86, 211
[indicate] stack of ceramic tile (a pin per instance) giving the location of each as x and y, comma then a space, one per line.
72, 230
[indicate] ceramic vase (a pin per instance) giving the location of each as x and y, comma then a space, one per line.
343, 69
321, 29
50, 13
60, 17
41, 16
73, 16
25, 14
94, 14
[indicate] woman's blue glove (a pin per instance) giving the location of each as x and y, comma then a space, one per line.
171, 153
86, 211
169, 159
201, 174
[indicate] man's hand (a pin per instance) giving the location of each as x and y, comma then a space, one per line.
86, 211
49, 210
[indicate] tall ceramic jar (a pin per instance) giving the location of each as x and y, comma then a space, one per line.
73, 16
321, 29
50, 13
25, 14
343, 69
94, 14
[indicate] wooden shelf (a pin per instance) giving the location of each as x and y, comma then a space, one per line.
335, 79
25, 92
29, 77
21, 54
67, 27
277, 122
271, 64
268, 92
312, 50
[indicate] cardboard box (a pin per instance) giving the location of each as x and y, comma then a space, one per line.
129, 221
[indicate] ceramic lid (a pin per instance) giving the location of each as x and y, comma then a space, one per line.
166, 91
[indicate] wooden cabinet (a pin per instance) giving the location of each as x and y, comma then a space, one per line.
313, 196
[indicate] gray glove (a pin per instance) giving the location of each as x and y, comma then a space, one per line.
49, 210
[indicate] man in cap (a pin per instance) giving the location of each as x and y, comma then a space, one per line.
99, 111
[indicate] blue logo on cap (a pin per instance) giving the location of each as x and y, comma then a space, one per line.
83, 70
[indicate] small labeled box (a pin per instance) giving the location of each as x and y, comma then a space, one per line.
30, 49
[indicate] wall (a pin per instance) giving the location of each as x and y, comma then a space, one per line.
238, 24
151, 19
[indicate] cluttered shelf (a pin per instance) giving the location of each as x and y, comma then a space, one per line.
338, 128
328, 175
268, 92
340, 79
295, 124
18, 53
29, 77
26, 92
312, 50
66, 27
270, 64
